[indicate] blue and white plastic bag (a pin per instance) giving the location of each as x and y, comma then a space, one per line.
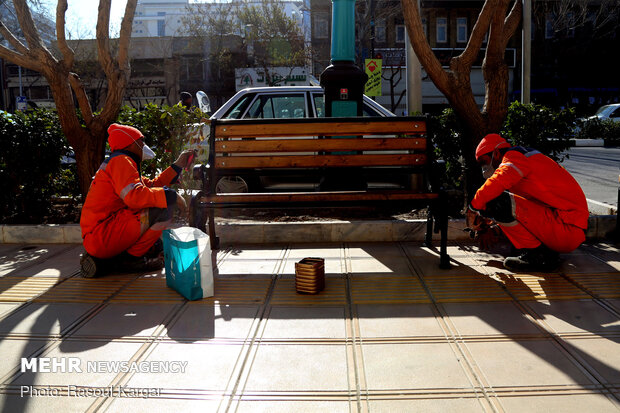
187, 255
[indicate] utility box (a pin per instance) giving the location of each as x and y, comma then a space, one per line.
343, 83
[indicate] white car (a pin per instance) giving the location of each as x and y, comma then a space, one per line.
607, 112
284, 102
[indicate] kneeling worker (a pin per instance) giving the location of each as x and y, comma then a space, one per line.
538, 205
124, 214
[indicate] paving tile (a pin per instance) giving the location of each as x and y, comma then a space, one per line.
85, 351
13, 350
578, 263
559, 403
576, 316
249, 252
399, 320
85, 290
315, 250
248, 267
489, 318
208, 366
525, 363
299, 368
42, 404
427, 405
599, 285
126, 320
6, 308
541, 287
44, 319
22, 289
412, 366
602, 354
390, 266
376, 250
293, 406
207, 321
380, 289
305, 322
160, 404
463, 284
17, 260
334, 294
63, 265
148, 288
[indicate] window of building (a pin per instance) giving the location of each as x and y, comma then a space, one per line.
321, 27
400, 33
380, 34
549, 32
161, 24
442, 30
461, 29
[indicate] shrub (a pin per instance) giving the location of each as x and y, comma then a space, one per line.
539, 127
31, 147
447, 135
596, 128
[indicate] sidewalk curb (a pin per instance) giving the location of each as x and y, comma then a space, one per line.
286, 232
589, 142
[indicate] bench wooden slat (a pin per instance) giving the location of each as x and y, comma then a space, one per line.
314, 145
327, 128
339, 196
318, 161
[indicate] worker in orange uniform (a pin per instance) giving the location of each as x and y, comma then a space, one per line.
537, 204
124, 213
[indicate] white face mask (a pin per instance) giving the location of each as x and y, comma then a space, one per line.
147, 153
488, 170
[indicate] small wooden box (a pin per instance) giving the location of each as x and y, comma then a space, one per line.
310, 275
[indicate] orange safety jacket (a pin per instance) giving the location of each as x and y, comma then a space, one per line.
534, 176
118, 185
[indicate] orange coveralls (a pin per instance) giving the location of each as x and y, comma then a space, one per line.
115, 215
548, 204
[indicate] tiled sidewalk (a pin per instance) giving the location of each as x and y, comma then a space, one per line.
390, 333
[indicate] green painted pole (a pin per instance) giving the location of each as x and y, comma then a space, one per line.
343, 31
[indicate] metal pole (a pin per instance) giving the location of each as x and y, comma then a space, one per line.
414, 79
21, 91
526, 51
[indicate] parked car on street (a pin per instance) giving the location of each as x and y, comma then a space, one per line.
611, 112
280, 102
284, 102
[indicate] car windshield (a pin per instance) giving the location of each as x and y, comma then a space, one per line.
602, 109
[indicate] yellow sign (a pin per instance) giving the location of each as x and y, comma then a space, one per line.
373, 70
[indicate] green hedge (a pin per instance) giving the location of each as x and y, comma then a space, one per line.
31, 147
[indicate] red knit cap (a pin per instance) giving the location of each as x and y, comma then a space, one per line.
489, 143
121, 136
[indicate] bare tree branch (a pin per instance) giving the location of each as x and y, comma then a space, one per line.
14, 41
82, 98
512, 21
125, 35
481, 27
17, 58
24, 17
103, 37
67, 52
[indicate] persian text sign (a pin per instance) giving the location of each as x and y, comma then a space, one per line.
373, 70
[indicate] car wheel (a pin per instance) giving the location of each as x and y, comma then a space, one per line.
231, 184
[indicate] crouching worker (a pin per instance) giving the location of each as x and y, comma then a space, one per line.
124, 214
537, 204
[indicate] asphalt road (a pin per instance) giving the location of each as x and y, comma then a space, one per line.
596, 169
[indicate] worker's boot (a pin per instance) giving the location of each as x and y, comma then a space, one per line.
540, 259
91, 267
125, 262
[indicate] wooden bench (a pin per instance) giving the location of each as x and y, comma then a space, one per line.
325, 147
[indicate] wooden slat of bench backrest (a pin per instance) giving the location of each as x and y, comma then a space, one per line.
277, 197
312, 145
324, 128
318, 161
